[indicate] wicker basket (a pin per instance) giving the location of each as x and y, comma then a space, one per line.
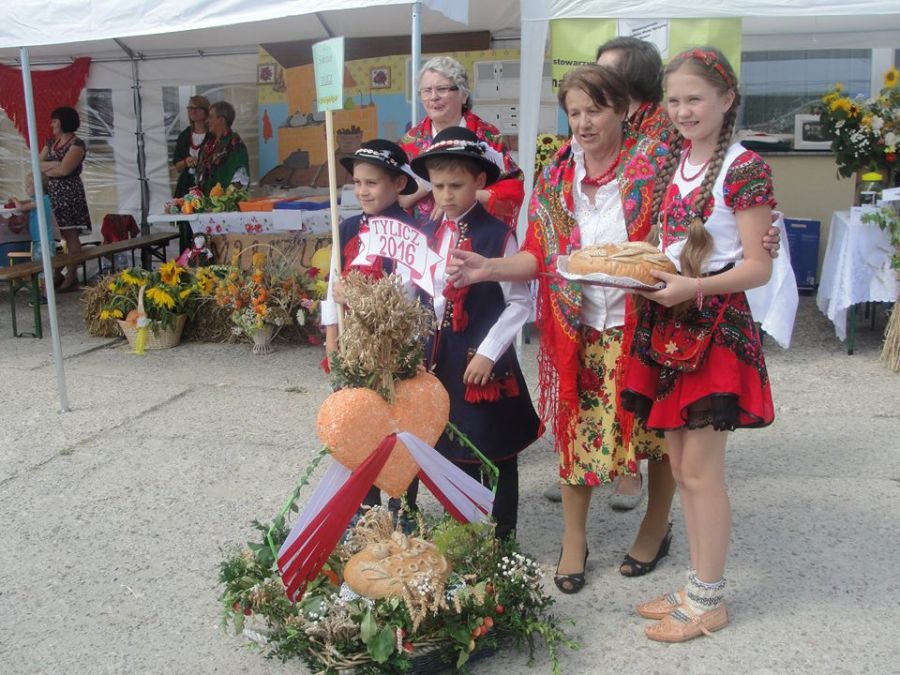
157, 337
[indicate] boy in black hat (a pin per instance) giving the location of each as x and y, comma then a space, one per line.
381, 174
472, 351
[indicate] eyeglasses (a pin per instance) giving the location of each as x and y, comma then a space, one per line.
427, 92
195, 107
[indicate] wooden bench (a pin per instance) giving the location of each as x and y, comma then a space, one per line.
25, 275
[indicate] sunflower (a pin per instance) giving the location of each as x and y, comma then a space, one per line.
205, 285
131, 279
160, 298
842, 103
170, 273
891, 77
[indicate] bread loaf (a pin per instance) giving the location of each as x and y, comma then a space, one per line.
632, 259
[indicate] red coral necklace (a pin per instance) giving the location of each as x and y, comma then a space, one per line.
684, 159
603, 178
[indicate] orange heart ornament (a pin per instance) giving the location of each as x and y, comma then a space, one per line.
352, 422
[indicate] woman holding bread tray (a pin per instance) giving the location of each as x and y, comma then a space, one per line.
598, 190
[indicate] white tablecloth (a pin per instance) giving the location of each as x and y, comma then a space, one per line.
857, 268
257, 222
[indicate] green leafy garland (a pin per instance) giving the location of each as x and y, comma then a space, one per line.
494, 596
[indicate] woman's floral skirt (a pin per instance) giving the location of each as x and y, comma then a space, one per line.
599, 455
731, 388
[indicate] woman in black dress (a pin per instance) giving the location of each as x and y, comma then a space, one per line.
184, 158
61, 162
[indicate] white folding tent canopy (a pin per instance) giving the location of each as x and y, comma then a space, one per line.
50, 31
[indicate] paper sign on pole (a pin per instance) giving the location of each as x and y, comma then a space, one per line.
648, 30
328, 60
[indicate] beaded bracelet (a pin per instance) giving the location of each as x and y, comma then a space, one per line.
699, 296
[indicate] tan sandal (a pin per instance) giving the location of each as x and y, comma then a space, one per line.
662, 606
682, 624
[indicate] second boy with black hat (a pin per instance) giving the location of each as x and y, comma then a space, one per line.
472, 351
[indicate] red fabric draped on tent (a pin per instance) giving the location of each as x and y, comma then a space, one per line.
52, 89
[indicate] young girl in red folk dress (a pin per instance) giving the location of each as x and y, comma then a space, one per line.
698, 369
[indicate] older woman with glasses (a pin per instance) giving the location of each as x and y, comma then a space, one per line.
444, 91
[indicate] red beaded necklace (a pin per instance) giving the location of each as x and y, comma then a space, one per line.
603, 178
688, 179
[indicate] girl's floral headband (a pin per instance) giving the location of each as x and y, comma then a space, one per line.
711, 60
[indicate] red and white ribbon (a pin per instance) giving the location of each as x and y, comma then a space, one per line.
323, 521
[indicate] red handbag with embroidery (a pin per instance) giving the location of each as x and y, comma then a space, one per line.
683, 346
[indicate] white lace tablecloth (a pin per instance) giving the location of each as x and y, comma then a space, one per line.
257, 222
236, 222
857, 268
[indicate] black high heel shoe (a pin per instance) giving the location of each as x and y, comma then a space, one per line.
570, 583
639, 568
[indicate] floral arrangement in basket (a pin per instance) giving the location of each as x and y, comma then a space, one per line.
379, 599
545, 150
271, 293
865, 132
219, 199
169, 293
493, 598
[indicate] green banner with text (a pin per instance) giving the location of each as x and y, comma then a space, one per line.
574, 42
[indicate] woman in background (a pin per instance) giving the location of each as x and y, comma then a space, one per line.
62, 160
444, 90
223, 158
186, 154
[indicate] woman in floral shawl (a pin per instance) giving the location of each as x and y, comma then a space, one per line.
444, 89
598, 189
223, 157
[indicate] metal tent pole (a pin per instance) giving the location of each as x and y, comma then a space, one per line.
43, 219
416, 59
141, 154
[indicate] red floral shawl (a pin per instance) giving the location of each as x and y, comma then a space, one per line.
651, 120
507, 194
552, 231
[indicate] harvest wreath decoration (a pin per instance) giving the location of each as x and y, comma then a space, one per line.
371, 597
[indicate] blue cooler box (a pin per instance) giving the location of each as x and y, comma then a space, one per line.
803, 240
301, 205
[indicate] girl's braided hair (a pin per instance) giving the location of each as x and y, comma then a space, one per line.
711, 65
